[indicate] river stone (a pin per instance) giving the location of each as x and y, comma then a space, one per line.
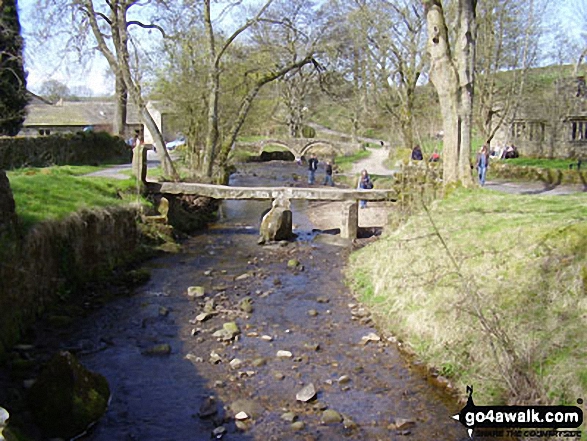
330, 416
277, 223
246, 305
67, 398
158, 350
219, 432
404, 423
208, 408
293, 263
231, 329
196, 291
344, 379
284, 354
290, 417
235, 363
370, 337
4, 415
203, 316
241, 416
312, 313
297, 426
307, 393
258, 362
253, 409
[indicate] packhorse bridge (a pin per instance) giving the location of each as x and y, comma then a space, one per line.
301, 146
349, 197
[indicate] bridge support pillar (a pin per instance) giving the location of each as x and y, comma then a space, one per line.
139, 163
350, 220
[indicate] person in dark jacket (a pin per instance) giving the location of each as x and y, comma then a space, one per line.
417, 154
328, 174
312, 167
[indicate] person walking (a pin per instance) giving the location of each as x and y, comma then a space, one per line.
312, 167
328, 176
482, 163
364, 184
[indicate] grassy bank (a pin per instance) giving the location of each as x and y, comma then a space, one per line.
490, 289
55, 192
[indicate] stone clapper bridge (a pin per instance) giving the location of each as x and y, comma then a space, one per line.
349, 197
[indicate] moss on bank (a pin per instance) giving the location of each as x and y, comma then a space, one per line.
490, 289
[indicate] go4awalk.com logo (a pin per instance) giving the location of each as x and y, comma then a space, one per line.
521, 421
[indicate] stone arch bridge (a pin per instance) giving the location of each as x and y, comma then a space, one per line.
301, 146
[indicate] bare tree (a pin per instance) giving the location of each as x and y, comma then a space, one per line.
109, 24
452, 73
508, 39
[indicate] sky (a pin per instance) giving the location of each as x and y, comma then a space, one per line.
43, 64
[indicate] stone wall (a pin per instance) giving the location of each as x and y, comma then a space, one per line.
58, 257
90, 148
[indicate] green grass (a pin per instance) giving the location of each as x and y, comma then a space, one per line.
345, 163
506, 298
558, 164
55, 192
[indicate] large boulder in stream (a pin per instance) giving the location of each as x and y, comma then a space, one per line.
277, 223
67, 398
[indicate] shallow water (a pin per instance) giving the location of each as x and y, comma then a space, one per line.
305, 309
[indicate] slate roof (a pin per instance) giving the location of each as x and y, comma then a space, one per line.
76, 113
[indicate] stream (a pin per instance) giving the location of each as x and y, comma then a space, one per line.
297, 303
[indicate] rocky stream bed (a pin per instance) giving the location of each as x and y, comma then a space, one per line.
238, 341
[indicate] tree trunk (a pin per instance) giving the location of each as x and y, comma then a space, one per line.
453, 81
119, 123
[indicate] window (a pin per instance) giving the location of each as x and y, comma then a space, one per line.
528, 130
578, 130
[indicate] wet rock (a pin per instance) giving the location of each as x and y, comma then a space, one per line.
266, 338
242, 277
293, 263
236, 363
209, 306
246, 305
241, 425
158, 350
208, 272
348, 423
290, 417
403, 423
312, 313
319, 406
196, 292
163, 311
284, 354
258, 362
215, 358
277, 223
4, 415
307, 393
278, 376
194, 358
253, 409
277, 282
344, 379
67, 398
203, 316
297, 426
323, 300
371, 337
219, 432
228, 332
208, 408
241, 416
312, 346
330, 416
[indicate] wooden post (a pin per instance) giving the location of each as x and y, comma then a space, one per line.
350, 220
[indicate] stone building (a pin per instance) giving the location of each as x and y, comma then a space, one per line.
551, 122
